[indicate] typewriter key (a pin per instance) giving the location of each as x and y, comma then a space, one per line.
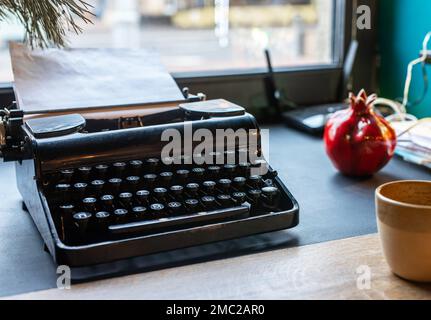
182, 175
160, 194
66, 218
79, 190
62, 190
239, 197
118, 169
271, 194
133, 182
84, 173
214, 171
152, 164
66, 175
135, 166
101, 170
254, 195
229, 169
157, 210
175, 207
224, 184
81, 221
102, 220
120, 215
107, 201
142, 196
89, 204
166, 177
209, 186
139, 212
224, 199
255, 181
192, 188
149, 179
198, 173
239, 182
97, 186
125, 199
192, 205
176, 190
114, 185
208, 202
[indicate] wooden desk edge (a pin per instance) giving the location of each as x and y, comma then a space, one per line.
352, 268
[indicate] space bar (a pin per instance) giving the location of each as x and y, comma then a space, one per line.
152, 225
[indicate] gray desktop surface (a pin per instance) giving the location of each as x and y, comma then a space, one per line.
331, 207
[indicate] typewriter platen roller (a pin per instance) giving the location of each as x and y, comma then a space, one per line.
99, 192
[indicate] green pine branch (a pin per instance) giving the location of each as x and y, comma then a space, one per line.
47, 22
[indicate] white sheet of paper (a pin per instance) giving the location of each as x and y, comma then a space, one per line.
57, 79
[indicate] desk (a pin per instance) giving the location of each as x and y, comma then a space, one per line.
332, 207
321, 271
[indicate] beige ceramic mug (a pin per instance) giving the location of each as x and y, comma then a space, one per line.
403, 210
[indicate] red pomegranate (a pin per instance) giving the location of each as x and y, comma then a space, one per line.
358, 141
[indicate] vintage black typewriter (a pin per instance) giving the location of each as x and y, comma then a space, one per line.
100, 189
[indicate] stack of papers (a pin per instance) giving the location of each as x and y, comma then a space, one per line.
414, 141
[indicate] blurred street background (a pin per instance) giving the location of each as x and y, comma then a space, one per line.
204, 35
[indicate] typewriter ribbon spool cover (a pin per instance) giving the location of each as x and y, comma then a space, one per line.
78, 80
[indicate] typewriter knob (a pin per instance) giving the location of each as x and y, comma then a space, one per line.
211, 108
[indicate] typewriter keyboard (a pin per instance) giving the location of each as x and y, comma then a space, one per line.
91, 204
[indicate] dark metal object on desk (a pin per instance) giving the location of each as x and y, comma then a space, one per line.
113, 220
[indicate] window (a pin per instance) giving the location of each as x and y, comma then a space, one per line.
208, 35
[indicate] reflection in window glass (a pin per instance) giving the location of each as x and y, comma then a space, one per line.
205, 35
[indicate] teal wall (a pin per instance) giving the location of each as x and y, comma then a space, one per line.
402, 26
